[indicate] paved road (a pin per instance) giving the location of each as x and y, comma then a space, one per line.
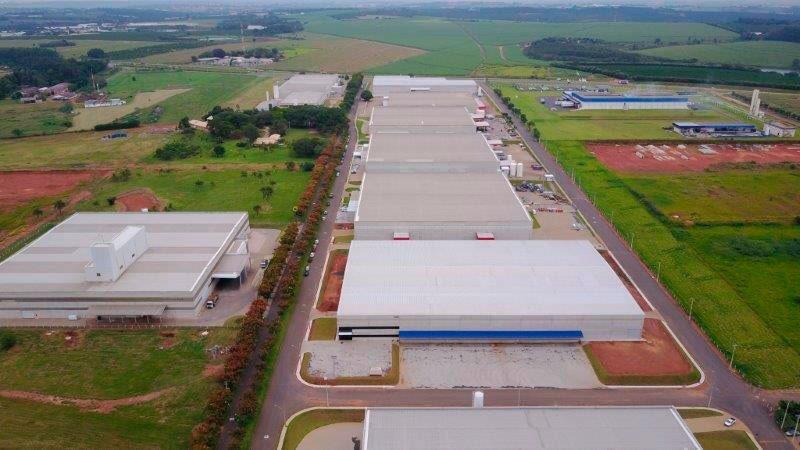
288, 395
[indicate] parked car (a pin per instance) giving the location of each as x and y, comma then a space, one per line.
311, 256
307, 271
211, 303
730, 421
793, 433
264, 263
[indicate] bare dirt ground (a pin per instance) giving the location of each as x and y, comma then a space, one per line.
669, 158
657, 354
137, 200
101, 406
329, 299
337, 436
20, 187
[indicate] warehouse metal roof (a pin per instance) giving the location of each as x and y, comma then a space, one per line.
434, 99
430, 147
500, 278
530, 428
445, 116
439, 197
405, 80
183, 249
307, 89
617, 98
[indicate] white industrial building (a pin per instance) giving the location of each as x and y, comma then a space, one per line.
529, 428
421, 119
779, 129
432, 99
110, 265
387, 84
430, 152
484, 291
439, 206
307, 89
583, 100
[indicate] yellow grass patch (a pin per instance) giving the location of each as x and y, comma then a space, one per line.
87, 118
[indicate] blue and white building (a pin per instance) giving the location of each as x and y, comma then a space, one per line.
626, 102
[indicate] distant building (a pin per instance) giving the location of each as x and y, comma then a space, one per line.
103, 103
715, 129
598, 100
307, 89
779, 129
198, 124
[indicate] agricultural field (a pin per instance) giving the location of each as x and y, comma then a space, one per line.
32, 119
788, 101
603, 125
773, 54
103, 388
696, 74
81, 45
738, 277
205, 90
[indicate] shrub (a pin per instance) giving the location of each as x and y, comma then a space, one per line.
219, 151
130, 123
176, 150
7, 340
307, 147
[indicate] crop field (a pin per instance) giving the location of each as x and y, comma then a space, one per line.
123, 389
683, 73
205, 89
753, 53
87, 118
81, 45
738, 277
31, 119
788, 101
337, 54
603, 125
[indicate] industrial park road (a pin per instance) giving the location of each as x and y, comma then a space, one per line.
287, 395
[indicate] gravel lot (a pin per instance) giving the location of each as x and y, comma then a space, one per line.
334, 359
495, 366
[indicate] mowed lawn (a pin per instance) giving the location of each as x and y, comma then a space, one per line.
32, 119
205, 89
754, 53
736, 300
107, 365
213, 189
602, 124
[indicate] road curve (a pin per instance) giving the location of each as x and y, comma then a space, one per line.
728, 391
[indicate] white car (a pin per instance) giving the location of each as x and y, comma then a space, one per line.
730, 421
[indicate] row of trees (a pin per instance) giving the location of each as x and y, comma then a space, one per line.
260, 52
44, 67
515, 110
228, 123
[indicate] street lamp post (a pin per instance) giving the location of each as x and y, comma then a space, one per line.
691, 307
733, 353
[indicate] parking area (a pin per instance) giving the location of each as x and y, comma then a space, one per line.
496, 366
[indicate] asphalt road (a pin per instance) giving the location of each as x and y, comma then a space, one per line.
723, 388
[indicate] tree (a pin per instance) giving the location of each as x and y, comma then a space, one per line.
267, 191
199, 183
66, 108
250, 132
17, 132
306, 166
59, 205
307, 147
290, 165
280, 126
218, 53
257, 209
96, 53
219, 151
183, 124
366, 95
38, 212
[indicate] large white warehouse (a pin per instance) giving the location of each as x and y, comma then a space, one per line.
432, 99
529, 428
439, 206
387, 84
307, 89
421, 119
104, 265
484, 291
430, 152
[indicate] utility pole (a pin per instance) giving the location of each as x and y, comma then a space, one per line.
733, 353
691, 307
710, 395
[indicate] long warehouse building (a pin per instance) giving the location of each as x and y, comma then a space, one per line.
421, 119
440, 206
529, 428
484, 291
388, 84
107, 265
430, 152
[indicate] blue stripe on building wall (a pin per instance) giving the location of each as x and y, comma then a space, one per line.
531, 335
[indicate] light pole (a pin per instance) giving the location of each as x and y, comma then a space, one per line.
785, 413
794, 435
710, 395
658, 272
733, 353
691, 307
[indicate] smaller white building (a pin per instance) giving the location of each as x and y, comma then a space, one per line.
583, 100
307, 89
779, 129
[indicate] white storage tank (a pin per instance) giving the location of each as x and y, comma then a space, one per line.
519, 169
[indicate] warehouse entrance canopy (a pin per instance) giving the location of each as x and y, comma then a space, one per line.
126, 310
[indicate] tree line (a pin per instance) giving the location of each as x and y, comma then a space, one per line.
45, 67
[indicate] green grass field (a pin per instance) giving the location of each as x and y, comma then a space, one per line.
81, 45
107, 365
726, 440
207, 89
741, 300
32, 119
788, 101
602, 124
694, 74
309, 421
752, 53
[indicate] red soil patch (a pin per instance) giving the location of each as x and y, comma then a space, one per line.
344, 226
658, 354
626, 281
214, 371
668, 158
20, 187
101, 406
329, 300
138, 200
72, 339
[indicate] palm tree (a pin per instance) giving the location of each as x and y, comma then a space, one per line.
267, 191
38, 212
257, 209
59, 205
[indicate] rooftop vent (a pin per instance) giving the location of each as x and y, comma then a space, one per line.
110, 259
